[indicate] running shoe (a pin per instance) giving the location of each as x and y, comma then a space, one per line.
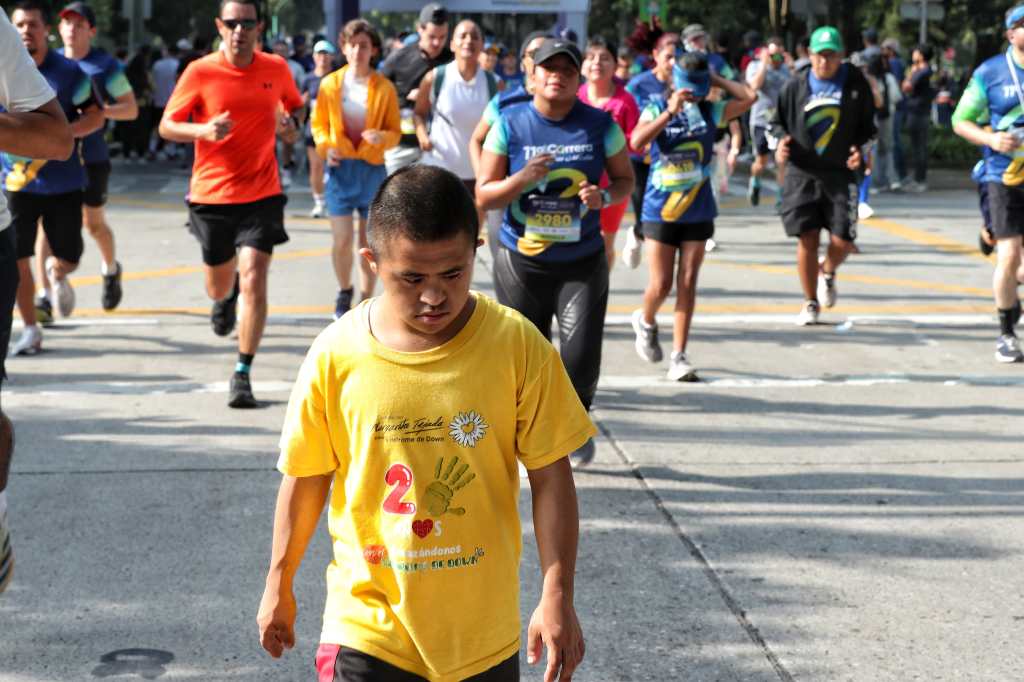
827, 289
224, 313
44, 311
61, 289
6, 553
679, 369
1008, 349
286, 178
710, 245
318, 210
112, 292
583, 455
808, 314
633, 252
647, 346
240, 392
754, 192
29, 343
986, 242
864, 211
343, 303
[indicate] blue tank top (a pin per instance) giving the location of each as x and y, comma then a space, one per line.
109, 83
548, 222
678, 190
39, 176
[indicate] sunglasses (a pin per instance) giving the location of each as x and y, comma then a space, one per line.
246, 24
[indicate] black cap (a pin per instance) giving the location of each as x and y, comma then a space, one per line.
433, 13
870, 34
529, 39
81, 9
555, 46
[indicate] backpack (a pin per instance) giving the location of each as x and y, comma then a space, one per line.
492, 82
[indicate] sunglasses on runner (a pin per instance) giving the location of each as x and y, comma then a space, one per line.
246, 24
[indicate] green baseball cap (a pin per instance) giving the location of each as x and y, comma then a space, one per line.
826, 38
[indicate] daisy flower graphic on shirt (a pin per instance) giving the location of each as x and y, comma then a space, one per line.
467, 428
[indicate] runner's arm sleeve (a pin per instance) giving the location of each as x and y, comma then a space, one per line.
306, 445
491, 111
22, 87
497, 138
392, 130
117, 84
614, 140
973, 104
185, 98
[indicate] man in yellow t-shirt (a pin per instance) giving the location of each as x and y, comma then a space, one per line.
417, 405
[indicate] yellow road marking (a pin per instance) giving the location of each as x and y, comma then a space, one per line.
924, 237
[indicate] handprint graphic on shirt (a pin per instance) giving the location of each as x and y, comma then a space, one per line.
448, 480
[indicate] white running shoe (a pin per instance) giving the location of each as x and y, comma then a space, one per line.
710, 245
286, 178
864, 211
61, 288
679, 369
633, 252
29, 343
647, 346
1008, 349
827, 289
318, 211
808, 314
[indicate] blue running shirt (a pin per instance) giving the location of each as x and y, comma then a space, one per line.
109, 83
38, 176
822, 110
548, 222
644, 87
678, 190
991, 98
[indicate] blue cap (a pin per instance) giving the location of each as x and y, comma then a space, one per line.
1014, 15
324, 46
698, 82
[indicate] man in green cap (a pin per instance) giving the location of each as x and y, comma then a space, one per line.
825, 115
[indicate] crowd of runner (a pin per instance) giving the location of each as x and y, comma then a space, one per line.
547, 147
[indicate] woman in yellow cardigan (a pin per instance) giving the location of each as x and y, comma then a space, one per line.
355, 120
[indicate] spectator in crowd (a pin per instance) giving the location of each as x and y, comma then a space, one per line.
280, 48
299, 53
489, 57
894, 62
918, 88
803, 55
624, 62
884, 167
165, 75
139, 131
871, 47
508, 69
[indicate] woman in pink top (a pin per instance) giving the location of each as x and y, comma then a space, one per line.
602, 92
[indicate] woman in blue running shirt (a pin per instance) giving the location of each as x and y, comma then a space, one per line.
679, 206
543, 160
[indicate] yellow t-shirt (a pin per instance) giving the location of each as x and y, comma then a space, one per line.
424, 507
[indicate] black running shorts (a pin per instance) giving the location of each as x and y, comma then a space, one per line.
336, 663
763, 144
1007, 207
222, 229
811, 203
62, 222
97, 180
674, 234
8, 291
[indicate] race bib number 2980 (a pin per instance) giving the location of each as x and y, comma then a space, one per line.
552, 219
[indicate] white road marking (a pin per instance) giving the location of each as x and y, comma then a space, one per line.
847, 324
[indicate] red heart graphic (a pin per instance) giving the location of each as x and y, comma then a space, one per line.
374, 553
423, 528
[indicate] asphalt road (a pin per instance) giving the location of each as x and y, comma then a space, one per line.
839, 502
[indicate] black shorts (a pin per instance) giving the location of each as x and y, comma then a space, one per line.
62, 222
97, 179
674, 234
810, 203
763, 142
8, 291
222, 229
1007, 207
342, 664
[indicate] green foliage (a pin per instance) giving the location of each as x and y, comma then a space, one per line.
948, 150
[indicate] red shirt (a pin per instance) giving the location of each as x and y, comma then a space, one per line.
621, 106
242, 167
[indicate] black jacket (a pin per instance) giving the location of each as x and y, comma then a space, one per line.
856, 123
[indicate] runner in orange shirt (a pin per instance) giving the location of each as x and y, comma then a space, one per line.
231, 104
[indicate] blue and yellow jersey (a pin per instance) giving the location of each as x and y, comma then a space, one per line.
37, 176
678, 190
109, 83
548, 221
823, 109
992, 99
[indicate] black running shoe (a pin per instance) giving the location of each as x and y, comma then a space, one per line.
112, 289
224, 313
343, 303
44, 311
240, 393
986, 245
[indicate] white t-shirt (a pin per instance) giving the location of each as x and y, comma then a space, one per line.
354, 96
165, 73
22, 87
458, 107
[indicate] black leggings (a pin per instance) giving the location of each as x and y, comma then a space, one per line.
640, 170
575, 293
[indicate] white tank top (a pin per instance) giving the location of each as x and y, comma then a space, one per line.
458, 108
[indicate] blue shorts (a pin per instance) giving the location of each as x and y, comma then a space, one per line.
351, 185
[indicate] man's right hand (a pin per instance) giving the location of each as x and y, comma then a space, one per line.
217, 128
276, 620
1003, 142
782, 151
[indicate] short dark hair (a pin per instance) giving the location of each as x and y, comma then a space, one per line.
35, 6
423, 203
254, 3
605, 44
926, 51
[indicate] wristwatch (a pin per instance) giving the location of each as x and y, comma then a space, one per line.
606, 198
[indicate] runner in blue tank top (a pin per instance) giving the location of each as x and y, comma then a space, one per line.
679, 206
543, 161
995, 98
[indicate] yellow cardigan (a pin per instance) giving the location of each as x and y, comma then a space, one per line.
328, 124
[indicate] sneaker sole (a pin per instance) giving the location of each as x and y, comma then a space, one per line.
1008, 361
685, 377
65, 298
